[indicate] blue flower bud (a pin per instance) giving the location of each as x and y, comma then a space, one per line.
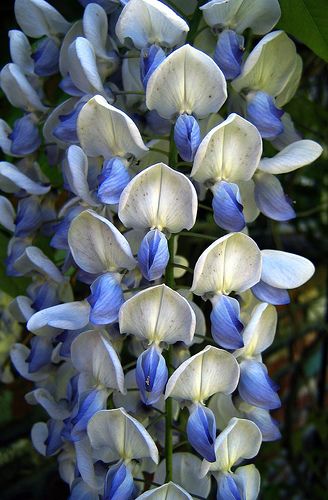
151, 375
228, 53
263, 113
106, 299
153, 255
112, 180
187, 136
270, 294
227, 488
28, 218
89, 403
271, 199
150, 58
46, 58
228, 210
118, 483
226, 326
201, 431
44, 296
40, 353
256, 387
24, 136
66, 129
54, 440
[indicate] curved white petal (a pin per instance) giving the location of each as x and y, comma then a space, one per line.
43, 397
5, 142
33, 259
257, 71
64, 61
53, 120
104, 130
241, 439
92, 352
38, 18
231, 151
187, 81
296, 155
232, 263
185, 473
285, 270
248, 479
18, 89
12, 180
148, 22
39, 434
97, 246
20, 51
223, 409
122, 434
83, 67
207, 372
259, 332
76, 173
159, 197
259, 15
158, 314
7, 214
69, 316
168, 491
250, 210
291, 85
20, 308
95, 27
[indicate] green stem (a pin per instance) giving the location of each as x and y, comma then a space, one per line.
129, 92
198, 235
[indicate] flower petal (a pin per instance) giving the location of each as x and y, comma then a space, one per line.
83, 68
12, 180
271, 199
168, 491
76, 173
296, 155
18, 89
37, 18
285, 270
69, 316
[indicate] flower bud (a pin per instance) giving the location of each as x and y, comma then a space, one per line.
151, 375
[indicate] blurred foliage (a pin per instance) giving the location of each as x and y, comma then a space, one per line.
296, 466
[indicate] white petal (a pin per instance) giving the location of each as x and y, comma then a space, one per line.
20, 51
39, 434
20, 308
76, 173
18, 355
63, 108
168, 491
33, 259
285, 270
259, 332
64, 60
186, 469
18, 89
290, 87
38, 18
187, 81
159, 197
46, 400
241, 439
104, 130
148, 22
248, 477
92, 352
239, 15
250, 210
207, 372
257, 71
158, 314
288, 136
296, 155
83, 67
223, 409
12, 180
232, 263
69, 316
122, 434
7, 214
95, 27
231, 151
5, 142
97, 246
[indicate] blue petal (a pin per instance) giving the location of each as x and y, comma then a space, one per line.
153, 255
40, 353
227, 488
106, 299
81, 490
187, 136
226, 325
228, 53
69, 88
112, 180
228, 211
66, 338
29, 216
25, 136
256, 387
157, 124
89, 403
66, 129
268, 426
44, 296
201, 431
59, 240
271, 199
15, 250
118, 483
263, 113
46, 58
270, 294
150, 58
54, 440
151, 375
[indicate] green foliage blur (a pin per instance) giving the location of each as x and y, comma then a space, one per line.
296, 466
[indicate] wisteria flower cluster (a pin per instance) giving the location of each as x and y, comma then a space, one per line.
159, 103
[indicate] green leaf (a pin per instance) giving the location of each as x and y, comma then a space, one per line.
307, 20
